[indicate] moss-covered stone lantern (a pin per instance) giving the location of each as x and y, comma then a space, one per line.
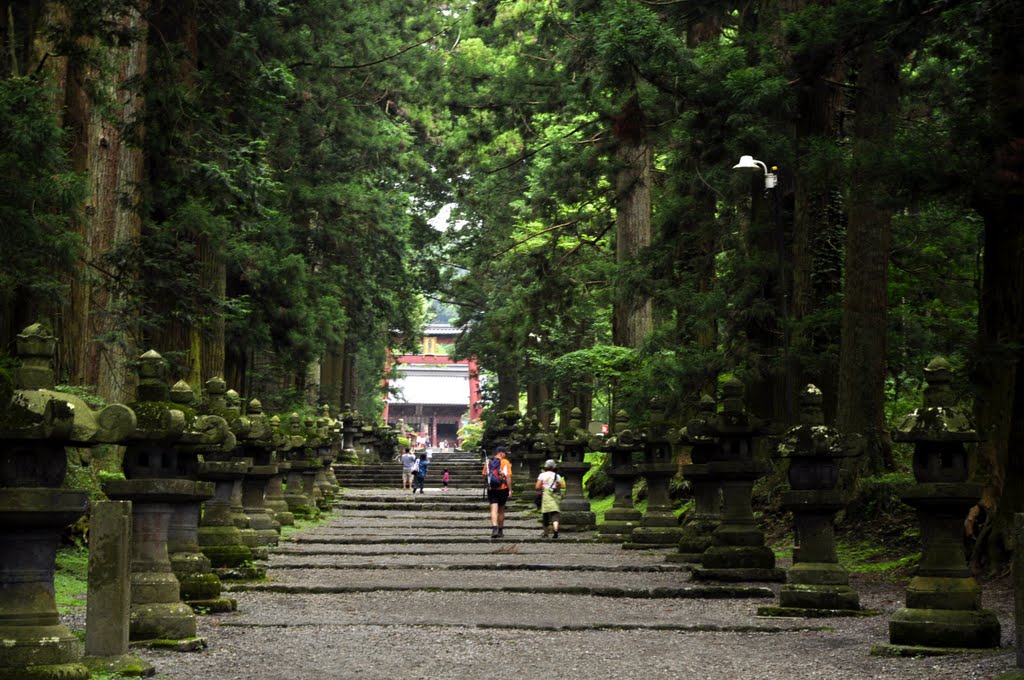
575, 508
36, 423
274, 500
738, 551
159, 468
816, 582
700, 522
200, 587
943, 605
348, 434
290, 441
622, 447
659, 526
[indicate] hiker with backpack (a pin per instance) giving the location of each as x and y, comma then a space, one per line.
550, 484
498, 472
421, 473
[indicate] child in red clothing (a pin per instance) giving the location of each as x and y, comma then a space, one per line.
444, 480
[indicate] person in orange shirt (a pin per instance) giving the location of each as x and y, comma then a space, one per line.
498, 472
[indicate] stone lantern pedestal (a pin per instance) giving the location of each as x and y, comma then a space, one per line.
300, 503
943, 605
36, 643
254, 503
200, 587
239, 516
157, 612
274, 500
219, 537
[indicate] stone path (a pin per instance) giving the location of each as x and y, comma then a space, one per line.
395, 586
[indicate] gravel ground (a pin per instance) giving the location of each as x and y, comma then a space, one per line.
426, 633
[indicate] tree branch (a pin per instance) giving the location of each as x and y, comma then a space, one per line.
382, 59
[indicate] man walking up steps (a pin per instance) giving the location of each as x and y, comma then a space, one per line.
498, 472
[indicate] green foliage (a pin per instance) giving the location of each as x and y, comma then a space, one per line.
86, 393
471, 434
71, 578
38, 200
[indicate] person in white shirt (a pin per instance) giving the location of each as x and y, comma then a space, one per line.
408, 461
550, 485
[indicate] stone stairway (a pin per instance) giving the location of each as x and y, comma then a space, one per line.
400, 586
463, 468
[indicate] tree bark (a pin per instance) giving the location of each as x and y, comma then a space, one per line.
97, 338
1000, 370
862, 356
632, 320
213, 278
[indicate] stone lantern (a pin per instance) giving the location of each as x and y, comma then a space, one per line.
499, 431
274, 498
348, 432
575, 508
518, 445
257, 445
200, 587
621, 446
737, 551
290, 441
157, 465
221, 536
314, 480
332, 439
700, 523
36, 424
943, 605
659, 526
816, 582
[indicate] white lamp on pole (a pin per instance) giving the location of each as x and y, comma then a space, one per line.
770, 178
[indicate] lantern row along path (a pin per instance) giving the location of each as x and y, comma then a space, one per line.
393, 585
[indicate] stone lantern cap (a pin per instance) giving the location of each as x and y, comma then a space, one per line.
259, 433
812, 438
940, 419
31, 409
701, 428
288, 438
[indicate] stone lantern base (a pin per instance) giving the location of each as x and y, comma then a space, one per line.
36, 645
619, 524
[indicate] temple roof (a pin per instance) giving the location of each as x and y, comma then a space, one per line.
436, 385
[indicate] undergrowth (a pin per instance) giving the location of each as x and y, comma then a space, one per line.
71, 578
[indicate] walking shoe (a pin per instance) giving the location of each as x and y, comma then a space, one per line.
501, 532
555, 535
494, 532
544, 534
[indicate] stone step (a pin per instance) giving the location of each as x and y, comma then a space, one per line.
315, 586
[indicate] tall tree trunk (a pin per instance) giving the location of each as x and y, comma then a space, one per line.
632, 314
1000, 370
174, 27
818, 100
97, 337
537, 394
508, 387
213, 278
350, 393
862, 356
331, 377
